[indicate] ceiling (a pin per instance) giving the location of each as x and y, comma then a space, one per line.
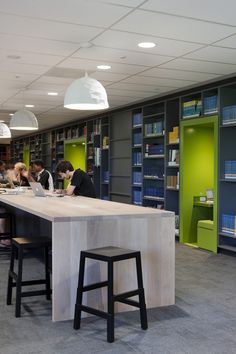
44, 45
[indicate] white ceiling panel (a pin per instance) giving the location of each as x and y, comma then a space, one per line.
156, 24
135, 88
37, 45
102, 75
229, 42
200, 66
116, 92
120, 56
91, 66
129, 41
46, 29
210, 10
130, 3
156, 81
28, 58
27, 78
178, 74
217, 54
85, 12
57, 81
23, 68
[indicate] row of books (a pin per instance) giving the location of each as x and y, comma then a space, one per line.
156, 128
174, 136
105, 142
97, 157
137, 139
192, 108
173, 181
229, 115
137, 177
173, 157
137, 158
105, 176
229, 224
230, 169
154, 172
97, 126
154, 149
153, 191
137, 197
137, 119
210, 104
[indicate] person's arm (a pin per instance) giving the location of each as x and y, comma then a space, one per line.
27, 175
70, 189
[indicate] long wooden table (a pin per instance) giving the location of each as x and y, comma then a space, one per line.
79, 223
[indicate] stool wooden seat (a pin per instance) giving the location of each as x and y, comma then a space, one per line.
19, 244
110, 255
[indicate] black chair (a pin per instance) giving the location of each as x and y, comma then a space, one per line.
110, 255
20, 244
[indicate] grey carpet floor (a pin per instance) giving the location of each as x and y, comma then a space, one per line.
202, 321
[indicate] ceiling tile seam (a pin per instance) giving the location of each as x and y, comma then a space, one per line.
45, 38
30, 52
126, 6
161, 37
166, 78
110, 61
209, 61
56, 21
184, 70
187, 17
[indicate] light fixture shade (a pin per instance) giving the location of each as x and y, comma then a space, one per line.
86, 94
5, 132
24, 120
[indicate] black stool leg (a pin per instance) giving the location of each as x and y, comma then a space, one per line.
143, 310
77, 316
47, 274
10, 279
19, 283
110, 320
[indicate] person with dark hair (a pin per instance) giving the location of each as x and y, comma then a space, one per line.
80, 182
2, 170
42, 176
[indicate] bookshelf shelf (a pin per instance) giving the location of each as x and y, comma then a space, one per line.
160, 115
225, 234
149, 197
172, 189
154, 178
227, 248
154, 157
228, 180
154, 136
172, 166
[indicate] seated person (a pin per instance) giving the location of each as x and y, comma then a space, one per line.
21, 174
80, 182
2, 170
41, 175
10, 173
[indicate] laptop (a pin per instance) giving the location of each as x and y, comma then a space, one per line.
40, 192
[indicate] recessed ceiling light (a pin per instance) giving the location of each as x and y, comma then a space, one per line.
11, 114
2, 121
146, 45
52, 93
29, 105
15, 57
104, 67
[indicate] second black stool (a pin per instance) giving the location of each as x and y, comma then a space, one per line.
20, 244
110, 255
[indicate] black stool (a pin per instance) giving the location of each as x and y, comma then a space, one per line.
110, 255
10, 218
20, 244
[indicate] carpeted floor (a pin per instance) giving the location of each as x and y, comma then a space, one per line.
202, 321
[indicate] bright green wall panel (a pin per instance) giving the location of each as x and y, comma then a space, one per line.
199, 144
75, 153
26, 155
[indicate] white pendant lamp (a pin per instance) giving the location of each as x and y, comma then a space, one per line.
86, 94
23, 120
5, 132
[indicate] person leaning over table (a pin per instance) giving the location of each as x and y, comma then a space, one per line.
21, 174
42, 175
80, 182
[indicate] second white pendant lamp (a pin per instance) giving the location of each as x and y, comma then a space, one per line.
86, 93
5, 132
23, 120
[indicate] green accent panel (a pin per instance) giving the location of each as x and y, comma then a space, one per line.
26, 155
205, 234
74, 151
198, 172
